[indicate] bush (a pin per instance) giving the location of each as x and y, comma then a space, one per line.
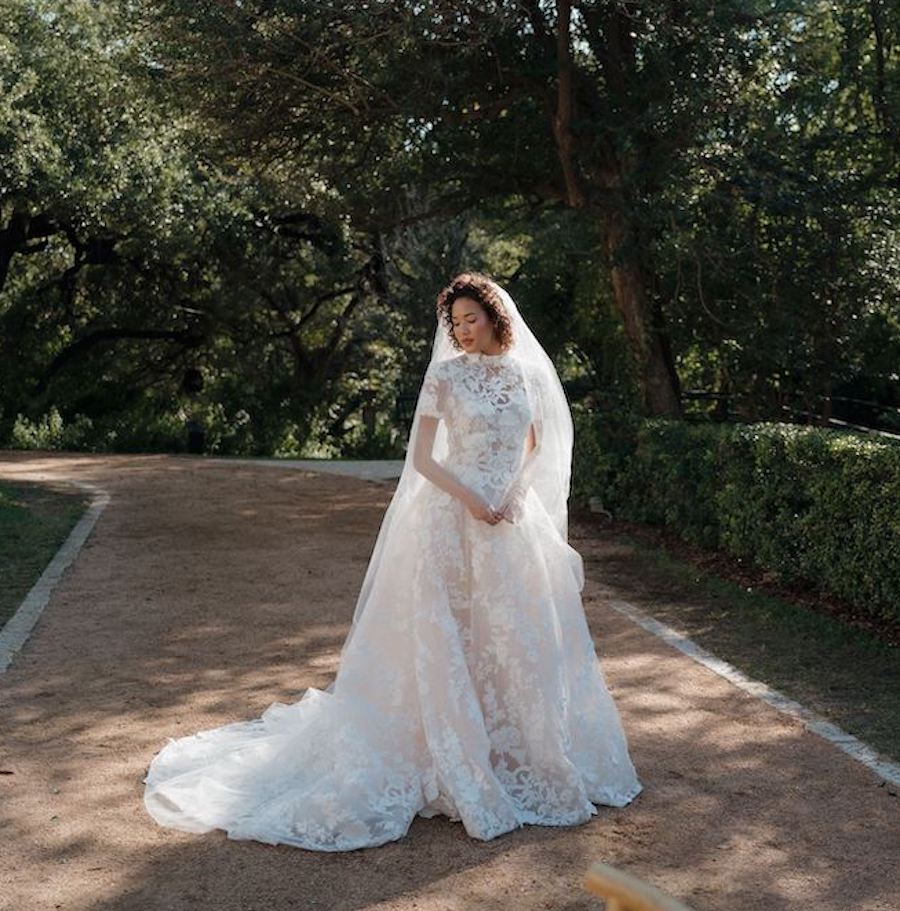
809, 504
50, 432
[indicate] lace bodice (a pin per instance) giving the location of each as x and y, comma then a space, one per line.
469, 685
485, 403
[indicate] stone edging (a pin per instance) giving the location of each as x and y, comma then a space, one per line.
885, 768
18, 628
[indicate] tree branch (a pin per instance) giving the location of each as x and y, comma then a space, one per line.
185, 337
562, 120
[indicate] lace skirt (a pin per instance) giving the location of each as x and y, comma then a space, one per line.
469, 687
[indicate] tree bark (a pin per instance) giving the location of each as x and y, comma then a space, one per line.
184, 337
562, 120
644, 323
649, 343
16, 236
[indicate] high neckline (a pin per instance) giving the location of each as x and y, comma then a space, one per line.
479, 357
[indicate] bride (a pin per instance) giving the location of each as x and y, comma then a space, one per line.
468, 683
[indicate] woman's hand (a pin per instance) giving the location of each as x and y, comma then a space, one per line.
482, 510
513, 506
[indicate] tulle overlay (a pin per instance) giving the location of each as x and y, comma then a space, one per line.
468, 687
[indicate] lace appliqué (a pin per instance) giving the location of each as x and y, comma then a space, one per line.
469, 687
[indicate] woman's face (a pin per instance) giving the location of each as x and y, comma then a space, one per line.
472, 326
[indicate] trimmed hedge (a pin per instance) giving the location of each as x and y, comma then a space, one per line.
809, 504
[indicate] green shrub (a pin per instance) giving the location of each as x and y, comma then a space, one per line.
809, 504
49, 431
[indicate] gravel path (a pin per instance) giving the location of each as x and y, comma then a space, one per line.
210, 589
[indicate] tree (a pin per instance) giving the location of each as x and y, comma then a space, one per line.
584, 105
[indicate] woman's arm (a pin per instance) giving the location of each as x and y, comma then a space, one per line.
512, 505
513, 501
440, 477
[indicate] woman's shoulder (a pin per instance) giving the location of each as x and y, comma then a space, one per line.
446, 366
529, 369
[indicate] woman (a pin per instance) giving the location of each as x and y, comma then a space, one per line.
468, 684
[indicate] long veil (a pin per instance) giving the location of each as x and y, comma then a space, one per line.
550, 476
411, 721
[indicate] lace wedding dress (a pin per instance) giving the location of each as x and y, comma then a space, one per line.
468, 687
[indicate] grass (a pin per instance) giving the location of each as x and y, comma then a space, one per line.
797, 642
35, 519
793, 641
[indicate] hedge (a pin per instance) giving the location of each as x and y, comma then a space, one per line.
812, 505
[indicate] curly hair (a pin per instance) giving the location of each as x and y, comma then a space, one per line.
479, 287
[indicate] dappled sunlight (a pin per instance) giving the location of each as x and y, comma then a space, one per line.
208, 593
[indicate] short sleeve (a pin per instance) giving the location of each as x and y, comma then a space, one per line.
431, 397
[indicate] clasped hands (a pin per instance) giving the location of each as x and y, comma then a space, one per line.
510, 509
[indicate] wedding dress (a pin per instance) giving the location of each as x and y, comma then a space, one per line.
468, 685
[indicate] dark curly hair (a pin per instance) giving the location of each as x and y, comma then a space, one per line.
479, 287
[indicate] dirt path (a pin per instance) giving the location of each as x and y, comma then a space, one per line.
209, 590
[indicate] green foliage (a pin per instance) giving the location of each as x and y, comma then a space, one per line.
34, 522
826, 509
181, 192
672, 470
781, 231
50, 432
137, 259
805, 503
604, 444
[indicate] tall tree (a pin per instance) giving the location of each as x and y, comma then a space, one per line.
586, 105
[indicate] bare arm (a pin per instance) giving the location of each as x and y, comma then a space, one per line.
512, 503
530, 441
425, 464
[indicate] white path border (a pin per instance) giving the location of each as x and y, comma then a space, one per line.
16, 631
18, 628
364, 469
885, 768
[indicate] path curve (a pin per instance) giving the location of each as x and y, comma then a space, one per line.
208, 590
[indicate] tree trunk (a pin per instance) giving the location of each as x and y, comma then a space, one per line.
644, 324
649, 344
